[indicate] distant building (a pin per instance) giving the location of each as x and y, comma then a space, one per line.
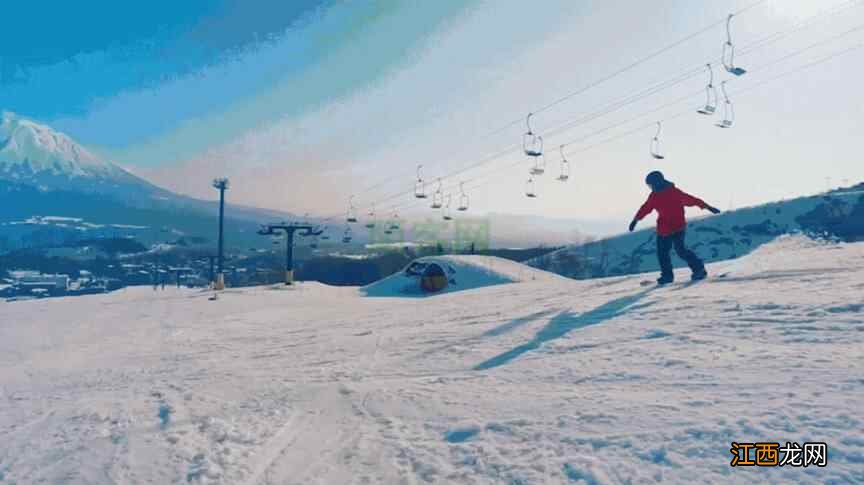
39, 284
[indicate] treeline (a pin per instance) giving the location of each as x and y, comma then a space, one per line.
38, 260
111, 246
352, 271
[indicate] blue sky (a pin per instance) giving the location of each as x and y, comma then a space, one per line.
304, 103
115, 75
86, 53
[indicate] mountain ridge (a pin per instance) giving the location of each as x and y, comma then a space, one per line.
838, 214
46, 172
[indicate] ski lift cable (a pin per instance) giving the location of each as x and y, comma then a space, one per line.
749, 48
759, 69
680, 114
777, 61
510, 149
736, 94
763, 67
798, 26
616, 105
583, 138
604, 79
773, 38
483, 180
633, 98
645, 59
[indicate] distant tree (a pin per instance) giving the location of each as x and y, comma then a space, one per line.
113, 246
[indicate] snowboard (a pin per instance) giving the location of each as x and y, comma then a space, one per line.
682, 283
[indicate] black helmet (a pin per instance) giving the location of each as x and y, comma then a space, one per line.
655, 178
657, 181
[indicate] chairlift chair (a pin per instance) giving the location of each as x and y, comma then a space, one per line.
463, 198
539, 167
728, 57
371, 223
565, 166
394, 222
352, 212
529, 188
532, 143
419, 185
346, 236
710, 95
445, 211
728, 110
438, 196
655, 144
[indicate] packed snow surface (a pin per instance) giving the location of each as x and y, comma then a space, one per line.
552, 381
463, 272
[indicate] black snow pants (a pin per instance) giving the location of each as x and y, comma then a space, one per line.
664, 246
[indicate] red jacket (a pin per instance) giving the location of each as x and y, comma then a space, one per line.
669, 204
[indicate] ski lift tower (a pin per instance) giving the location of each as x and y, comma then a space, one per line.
220, 184
289, 228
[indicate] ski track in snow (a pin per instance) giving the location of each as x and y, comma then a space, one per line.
541, 381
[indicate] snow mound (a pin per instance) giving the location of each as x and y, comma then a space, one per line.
789, 250
463, 273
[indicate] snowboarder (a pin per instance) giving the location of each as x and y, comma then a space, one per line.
669, 202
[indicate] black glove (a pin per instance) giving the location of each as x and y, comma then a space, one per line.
713, 209
633, 225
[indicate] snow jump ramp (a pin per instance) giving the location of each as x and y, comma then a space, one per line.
435, 275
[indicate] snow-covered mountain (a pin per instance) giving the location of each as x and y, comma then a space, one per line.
839, 213
35, 154
46, 173
546, 381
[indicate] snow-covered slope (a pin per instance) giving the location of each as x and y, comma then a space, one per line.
596, 381
728, 235
463, 273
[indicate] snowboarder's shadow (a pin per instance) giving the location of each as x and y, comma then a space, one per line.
567, 321
516, 323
